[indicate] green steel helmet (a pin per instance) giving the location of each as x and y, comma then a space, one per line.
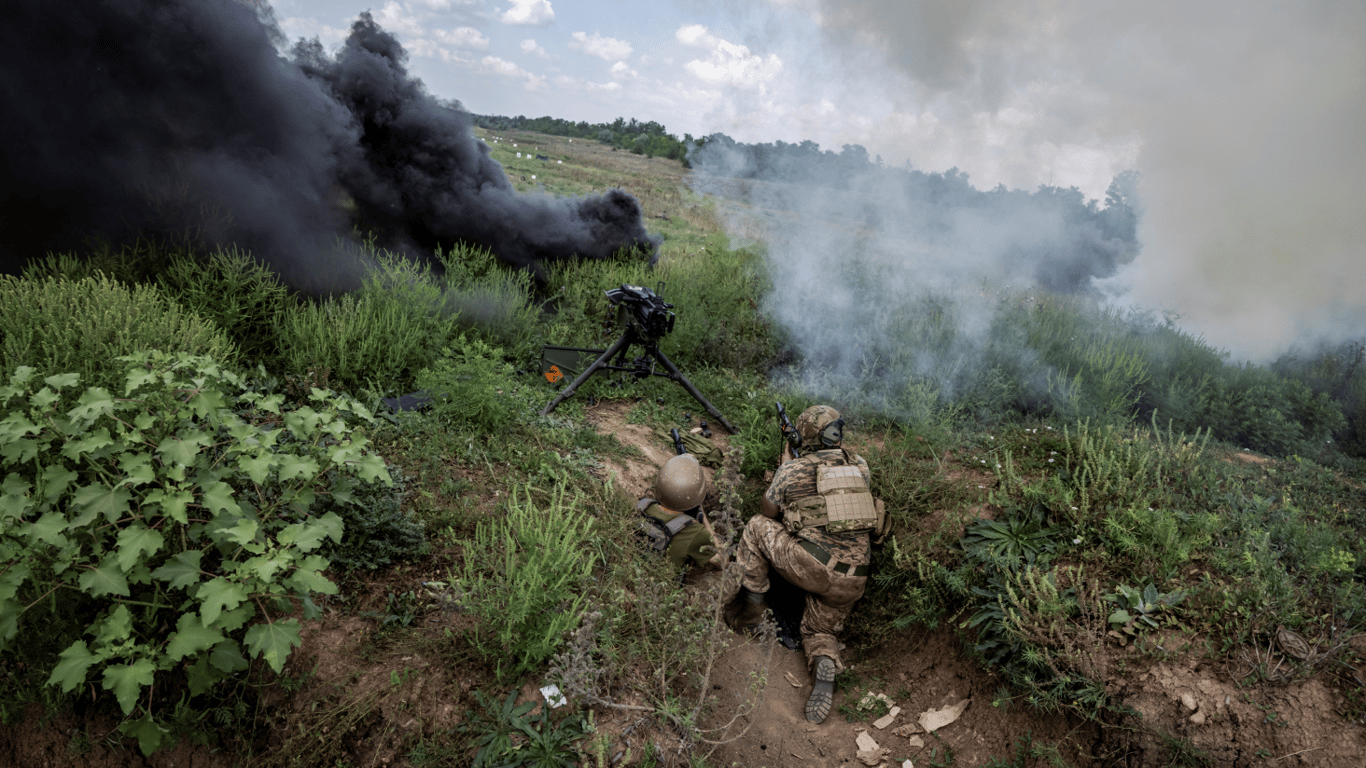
820, 425
681, 485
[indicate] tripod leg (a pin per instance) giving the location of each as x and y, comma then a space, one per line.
597, 365
678, 376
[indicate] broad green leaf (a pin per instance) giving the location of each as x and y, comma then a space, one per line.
93, 403
292, 467
95, 443
138, 377
137, 468
16, 501
181, 570
99, 499
144, 421
107, 579
272, 641
173, 502
218, 497
242, 533
44, 398
70, 671
233, 620
22, 375
303, 423
49, 529
307, 580
258, 467
202, 676
127, 681
191, 637
148, 731
180, 451
9, 620
329, 525
227, 656
56, 479
1120, 617
217, 595
60, 381
17, 425
113, 628
19, 451
136, 539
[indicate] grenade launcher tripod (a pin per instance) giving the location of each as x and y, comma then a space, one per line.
648, 319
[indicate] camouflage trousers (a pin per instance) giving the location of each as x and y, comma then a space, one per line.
829, 595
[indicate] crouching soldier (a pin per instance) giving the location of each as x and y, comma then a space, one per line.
814, 528
673, 521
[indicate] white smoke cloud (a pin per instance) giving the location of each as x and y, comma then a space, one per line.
1244, 118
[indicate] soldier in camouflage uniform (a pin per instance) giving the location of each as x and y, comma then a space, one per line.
814, 528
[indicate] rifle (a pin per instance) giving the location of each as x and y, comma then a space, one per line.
789, 432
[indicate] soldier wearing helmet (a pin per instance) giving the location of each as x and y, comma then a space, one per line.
673, 522
815, 526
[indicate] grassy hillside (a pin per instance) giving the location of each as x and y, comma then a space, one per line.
1097, 486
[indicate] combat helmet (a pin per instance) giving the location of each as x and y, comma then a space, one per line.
820, 425
680, 485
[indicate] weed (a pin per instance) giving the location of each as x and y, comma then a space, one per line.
508, 734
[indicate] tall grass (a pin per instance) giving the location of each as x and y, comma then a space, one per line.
82, 326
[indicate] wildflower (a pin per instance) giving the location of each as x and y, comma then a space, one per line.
1050, 461
1078, 539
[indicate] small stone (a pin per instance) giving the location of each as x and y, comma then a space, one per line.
865, 742
1198, 718
1188, 701
917, 742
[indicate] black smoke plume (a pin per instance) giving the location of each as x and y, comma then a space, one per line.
150, 117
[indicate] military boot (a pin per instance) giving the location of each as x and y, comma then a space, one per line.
744, 613
822, 690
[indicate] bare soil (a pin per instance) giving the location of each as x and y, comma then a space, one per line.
360, 702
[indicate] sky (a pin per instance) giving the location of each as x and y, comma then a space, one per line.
1246, 119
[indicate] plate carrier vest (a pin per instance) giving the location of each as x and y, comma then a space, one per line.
843, 502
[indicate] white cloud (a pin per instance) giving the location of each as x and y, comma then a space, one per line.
621, 69
492, 65
463, 37
530, 46
605, 48
398, 20
529, 13
728, 64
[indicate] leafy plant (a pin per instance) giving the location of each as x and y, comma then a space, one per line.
523, 575
1023, 538
181, 506
512, 737
1136, 610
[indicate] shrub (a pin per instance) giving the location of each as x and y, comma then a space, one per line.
230, 288
523, 576
170, 526
474, 389
378, 531
82, 326
380, 335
